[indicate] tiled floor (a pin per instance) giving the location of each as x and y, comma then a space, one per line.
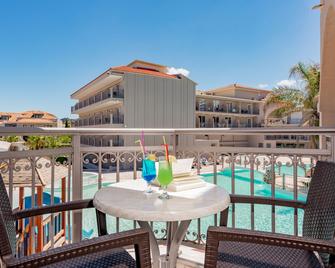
188, 257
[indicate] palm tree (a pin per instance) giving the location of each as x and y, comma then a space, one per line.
41, 142
36, 142
301, 98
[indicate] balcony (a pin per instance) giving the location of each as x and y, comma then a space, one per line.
101, 100
207, 109
104, 121
77, 171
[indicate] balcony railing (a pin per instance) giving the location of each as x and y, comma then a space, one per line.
98, 98
241, 170
105, 120
233, 110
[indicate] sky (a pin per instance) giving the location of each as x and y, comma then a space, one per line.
49, 49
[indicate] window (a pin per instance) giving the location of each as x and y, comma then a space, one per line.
202, 105
37, 116
4, 117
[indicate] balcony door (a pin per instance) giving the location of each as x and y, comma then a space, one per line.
249, 124
215, 121
249, 108
229, 107
202, 121
228, 121
202, 105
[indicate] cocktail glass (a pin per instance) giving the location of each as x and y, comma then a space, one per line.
164, 177
148, 173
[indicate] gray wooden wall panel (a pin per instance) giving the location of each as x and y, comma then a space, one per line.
154, 102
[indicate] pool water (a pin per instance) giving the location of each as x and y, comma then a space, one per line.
284, 219
288, 170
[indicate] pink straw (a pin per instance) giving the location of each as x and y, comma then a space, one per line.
142, 139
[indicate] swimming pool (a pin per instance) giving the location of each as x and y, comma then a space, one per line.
284, 222
288, 170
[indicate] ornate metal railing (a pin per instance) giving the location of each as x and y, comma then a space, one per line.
241, 170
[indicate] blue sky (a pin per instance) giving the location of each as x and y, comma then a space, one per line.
48, 49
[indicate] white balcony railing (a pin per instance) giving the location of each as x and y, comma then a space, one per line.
241, 170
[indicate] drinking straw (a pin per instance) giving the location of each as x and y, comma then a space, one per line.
142, 140
166, 146
141, 145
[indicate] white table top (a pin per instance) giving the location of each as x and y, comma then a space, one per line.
127, 200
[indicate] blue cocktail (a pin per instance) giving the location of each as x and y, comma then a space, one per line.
148, 172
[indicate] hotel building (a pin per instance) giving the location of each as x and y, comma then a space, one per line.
239, 106
138, 95
144, 94
232, 106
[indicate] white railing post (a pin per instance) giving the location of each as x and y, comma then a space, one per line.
77, 188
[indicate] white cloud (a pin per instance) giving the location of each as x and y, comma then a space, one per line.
263, 86
173, 70
287, 83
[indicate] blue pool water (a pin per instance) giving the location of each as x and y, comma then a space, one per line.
288, 170
283, 220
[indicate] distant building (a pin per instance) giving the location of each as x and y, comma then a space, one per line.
146, 95
295, 119
239, 106
139, 95
232, 106
28, 119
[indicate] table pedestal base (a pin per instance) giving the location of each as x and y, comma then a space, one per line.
175, 235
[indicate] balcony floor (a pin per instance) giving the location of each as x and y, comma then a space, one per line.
189, 257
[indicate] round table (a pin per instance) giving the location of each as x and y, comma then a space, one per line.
127, 200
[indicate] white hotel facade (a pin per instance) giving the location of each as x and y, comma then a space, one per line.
144, 94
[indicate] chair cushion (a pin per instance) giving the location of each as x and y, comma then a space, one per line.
108, 258
240, 254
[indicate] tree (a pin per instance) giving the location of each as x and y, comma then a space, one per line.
42, 142
10, 139
301, 98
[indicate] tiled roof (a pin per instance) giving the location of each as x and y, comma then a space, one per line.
127, 69
27, 117
238, 86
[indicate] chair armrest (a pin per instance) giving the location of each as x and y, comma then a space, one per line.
247, 199
217, 234
72, 205
266, 201
137, 237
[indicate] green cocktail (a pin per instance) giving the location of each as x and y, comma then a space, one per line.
164, 177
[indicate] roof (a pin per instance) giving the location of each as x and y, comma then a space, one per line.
146, 63
238, 86
128, 69
27, 117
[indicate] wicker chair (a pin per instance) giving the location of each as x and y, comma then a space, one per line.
228, 247
104, 251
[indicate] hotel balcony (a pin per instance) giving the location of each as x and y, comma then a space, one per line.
101, 121
75, 172
109, 98
226, 111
